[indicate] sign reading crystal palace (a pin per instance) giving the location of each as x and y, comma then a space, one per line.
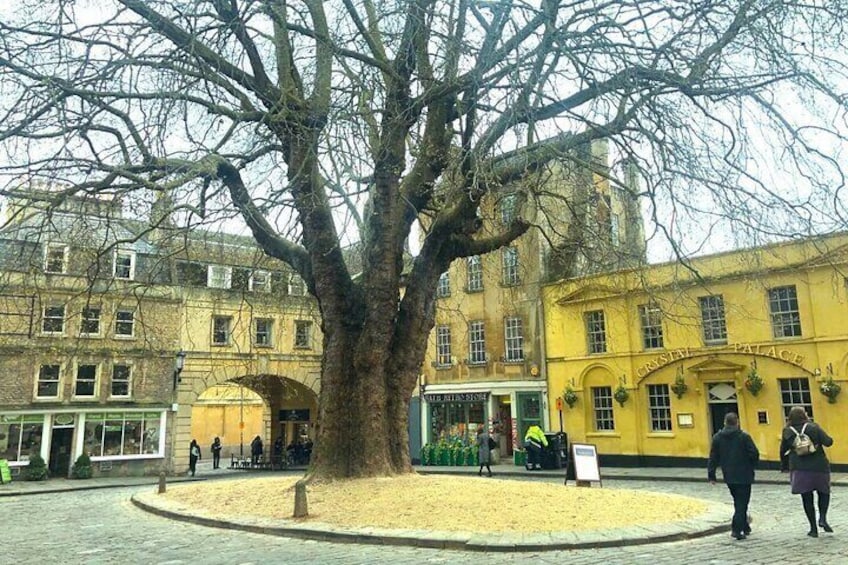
744, 348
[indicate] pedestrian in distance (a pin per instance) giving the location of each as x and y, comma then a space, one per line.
802, 453
534, 439
193, 456
216, 452
735, 452
255, 450
484, 450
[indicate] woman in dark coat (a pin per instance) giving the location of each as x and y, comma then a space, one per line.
809, 472
193, 456
484, 454
256, 450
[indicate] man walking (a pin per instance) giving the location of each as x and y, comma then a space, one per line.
734, 451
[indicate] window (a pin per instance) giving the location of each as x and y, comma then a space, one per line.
48, 382
260, 281
263, 333
119, 434
602, 406
514, 333
795, 392
712, 319
659, 403
508, 206
596, 331
220, 277
124, 265
124, 323
86, 381
303, 334
190, 273
652, 333
53, 321
475, 274
476, 343
615, 230
21, 436
443, 289
55, 258
90, 324
296, 285
443, 346
510, 266
221, 330
121, 381
785, 318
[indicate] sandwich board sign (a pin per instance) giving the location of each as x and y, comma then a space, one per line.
586, 468
5, 472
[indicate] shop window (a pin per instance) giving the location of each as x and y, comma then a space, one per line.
90, 325
53, 320
48, 381
86, 381
124, 323
650, 316
124, 267
121, 381
514, 333
795, 392
456, 421
659, 404
221, 330
21, 437
602, 407
443, 346
263, 336
260, 281
476, 343
474, 273
712, 319
785, 317
219, 277
122, 434
509, 265
56, 258
443, 290
596, 331
303, 334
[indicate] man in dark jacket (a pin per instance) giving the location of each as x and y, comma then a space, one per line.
734, 451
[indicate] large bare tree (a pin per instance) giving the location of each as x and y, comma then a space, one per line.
322, 122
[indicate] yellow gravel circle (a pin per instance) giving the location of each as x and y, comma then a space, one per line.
467, 504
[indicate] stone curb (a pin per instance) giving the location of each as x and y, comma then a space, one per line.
714, 521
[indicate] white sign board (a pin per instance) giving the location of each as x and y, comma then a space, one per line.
585, 457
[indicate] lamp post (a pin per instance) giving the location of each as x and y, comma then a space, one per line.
241, 421
179, 363
422, 388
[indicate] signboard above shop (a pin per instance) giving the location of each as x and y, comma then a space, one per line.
297, 415
458, 397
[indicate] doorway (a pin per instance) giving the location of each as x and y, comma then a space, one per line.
722, 399
60, 451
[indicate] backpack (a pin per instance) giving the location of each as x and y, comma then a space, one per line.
492, 443
802, 444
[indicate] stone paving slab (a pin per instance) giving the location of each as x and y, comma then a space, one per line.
712, 521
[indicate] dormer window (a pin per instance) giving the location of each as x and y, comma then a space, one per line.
124, 267
55, 258
260, 281
219, 277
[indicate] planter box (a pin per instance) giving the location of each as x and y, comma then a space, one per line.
519, 457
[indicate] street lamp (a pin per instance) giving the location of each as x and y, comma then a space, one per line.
422, 388
179, 363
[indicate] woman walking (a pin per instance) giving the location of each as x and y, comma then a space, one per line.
484, 453
809, 467
193, 456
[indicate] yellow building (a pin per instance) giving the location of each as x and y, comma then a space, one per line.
649, 361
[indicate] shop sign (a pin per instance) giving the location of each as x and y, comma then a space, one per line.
745, 348
458, 397
664, 359
297, 415
63, 419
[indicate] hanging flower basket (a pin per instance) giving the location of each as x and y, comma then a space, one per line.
621, 395
679, 387
830, 389
754, 382
569, 397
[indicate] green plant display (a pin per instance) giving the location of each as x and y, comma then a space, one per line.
621, 395
37, 469
830, 389
82, 467
679, 387
427, 454
754, 382
569, 396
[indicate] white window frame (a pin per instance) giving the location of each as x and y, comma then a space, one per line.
94, 382
161, 424
47, 258
130, 275
795, 391
129, 380
45, 318
513, 339
509, 209
260, 281
443, 346
509, 265
596, 332
444, 289
131, 323
713, 319
219, 276
476, 342
226, 331
58, 380
785, 312
659, 407
615, 230
85, 317
474, 273
602, 409
269, 333
651, 318
296, 286
303, 328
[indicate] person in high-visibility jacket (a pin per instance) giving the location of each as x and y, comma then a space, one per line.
534, 439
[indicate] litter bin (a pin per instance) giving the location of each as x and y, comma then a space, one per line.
555, 455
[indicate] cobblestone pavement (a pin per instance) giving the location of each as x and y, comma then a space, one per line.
104, 527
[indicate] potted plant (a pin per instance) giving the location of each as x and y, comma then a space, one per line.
621, 395
37, 469
679, 387
830, 389
82, 467
754, 382
569, 396
427, 454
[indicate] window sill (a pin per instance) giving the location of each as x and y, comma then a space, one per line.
609, 434
477, 364
52, 334
122, 336
303, 347
715, 343
446, 367
76, 398
127, 457
220, 345
473, 290
46, 398
264, 345
510, 284
120, 398
661, 435
513, 361
91, 336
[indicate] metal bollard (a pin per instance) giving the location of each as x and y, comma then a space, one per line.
162, 482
